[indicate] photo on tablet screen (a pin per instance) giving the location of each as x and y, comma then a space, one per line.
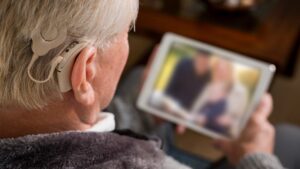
203, 88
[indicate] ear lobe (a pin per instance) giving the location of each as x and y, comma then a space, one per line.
83, 73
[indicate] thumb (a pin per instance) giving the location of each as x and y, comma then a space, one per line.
265, 108
224, 145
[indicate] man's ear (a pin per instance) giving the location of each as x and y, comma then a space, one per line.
82, 75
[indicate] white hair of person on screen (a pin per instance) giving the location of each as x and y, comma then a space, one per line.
42, 127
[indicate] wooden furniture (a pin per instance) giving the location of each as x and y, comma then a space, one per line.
275, 38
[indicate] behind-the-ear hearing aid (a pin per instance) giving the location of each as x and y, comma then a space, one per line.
45, 40
64, 68
42, 42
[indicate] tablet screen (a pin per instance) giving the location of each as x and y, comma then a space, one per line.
203, 88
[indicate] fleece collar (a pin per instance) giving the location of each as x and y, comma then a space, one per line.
78, 150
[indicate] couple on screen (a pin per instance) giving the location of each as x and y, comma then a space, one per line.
207, 89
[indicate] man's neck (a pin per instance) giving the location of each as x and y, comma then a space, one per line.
18, 122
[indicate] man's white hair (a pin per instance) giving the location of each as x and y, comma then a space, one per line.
95, 21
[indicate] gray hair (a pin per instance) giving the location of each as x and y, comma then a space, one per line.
95, 21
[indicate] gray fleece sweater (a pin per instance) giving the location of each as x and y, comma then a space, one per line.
79, 150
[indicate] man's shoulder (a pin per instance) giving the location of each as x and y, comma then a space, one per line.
85, 149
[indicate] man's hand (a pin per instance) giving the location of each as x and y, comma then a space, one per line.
257, 137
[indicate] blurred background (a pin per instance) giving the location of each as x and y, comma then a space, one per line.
267, 30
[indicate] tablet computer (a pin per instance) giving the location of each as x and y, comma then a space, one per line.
205, 88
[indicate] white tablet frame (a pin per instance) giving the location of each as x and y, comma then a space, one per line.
267, 72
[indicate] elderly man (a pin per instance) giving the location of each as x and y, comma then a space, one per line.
60, 62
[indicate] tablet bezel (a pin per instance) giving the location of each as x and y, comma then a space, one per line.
267, 73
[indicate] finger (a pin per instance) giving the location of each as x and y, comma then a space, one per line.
264, 109
180, 129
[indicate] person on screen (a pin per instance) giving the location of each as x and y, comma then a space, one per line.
187, 82
223, 97
237, 101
